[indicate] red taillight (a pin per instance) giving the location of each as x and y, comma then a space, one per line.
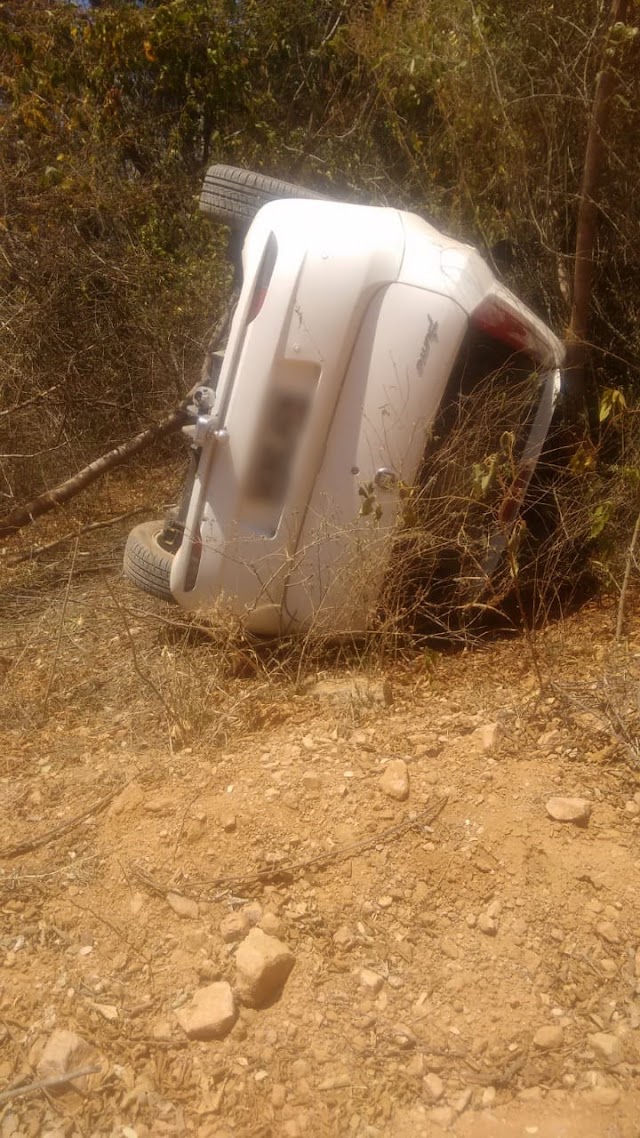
263, 278
503, 325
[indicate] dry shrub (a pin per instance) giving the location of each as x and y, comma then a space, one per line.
459, 569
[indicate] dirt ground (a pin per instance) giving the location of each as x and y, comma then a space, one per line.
162, 793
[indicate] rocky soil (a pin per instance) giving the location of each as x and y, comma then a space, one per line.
399, 900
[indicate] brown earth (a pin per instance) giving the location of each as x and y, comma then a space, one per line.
433, 936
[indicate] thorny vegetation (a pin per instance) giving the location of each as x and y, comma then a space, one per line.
469, 113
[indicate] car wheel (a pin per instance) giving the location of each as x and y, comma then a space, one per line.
234, 196
146, 563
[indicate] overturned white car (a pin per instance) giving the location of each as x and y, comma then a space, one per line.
351, 324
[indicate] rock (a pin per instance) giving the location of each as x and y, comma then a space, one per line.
107, 1011
450, 948
433, 1086
605, 1096
228, 823
417, 1066
530, 1094
370, 980
608, 931
311, 781
270, 924
461, 1101
344, 937
394, 780
66, 1051
549, 1038
488, 1097
210, 1014
607, 1047
632, 808
549, 739
577, 810
253, 912
161, 804
487, 925
486, 736
263, 964
443, 1116
185, 908
234, 927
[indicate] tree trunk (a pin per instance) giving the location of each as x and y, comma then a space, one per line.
587, 219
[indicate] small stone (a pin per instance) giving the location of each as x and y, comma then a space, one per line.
577, 810
344, 937
487, 736
263, 964
394, 781
107, 1011
549, 1038
385, 902
370, 980
530, 1094
210, 1014
253, 912
234, 927
185, 908
270, 924
607, 1047
311, 781
228, 823
487, 925
605, 1096
461, 1101
450, 948
549, 739
608, 931
162, 804
488, 1098
417, 1066
433, 1086
443, 1116
66, 1051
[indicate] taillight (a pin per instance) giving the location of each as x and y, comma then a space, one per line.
263, 278
503, 325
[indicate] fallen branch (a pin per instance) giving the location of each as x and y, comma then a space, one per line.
28, 402
24, 515
45, 1084
260, 876
64, 828
38, 550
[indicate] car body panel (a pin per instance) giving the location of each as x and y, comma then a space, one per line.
343, 341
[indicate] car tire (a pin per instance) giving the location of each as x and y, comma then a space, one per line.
234, 196
146, 563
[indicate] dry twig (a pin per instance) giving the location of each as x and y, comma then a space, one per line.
45, 1084
64, 828
428, 815
38, 550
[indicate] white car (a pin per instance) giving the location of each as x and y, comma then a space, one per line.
351, 324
